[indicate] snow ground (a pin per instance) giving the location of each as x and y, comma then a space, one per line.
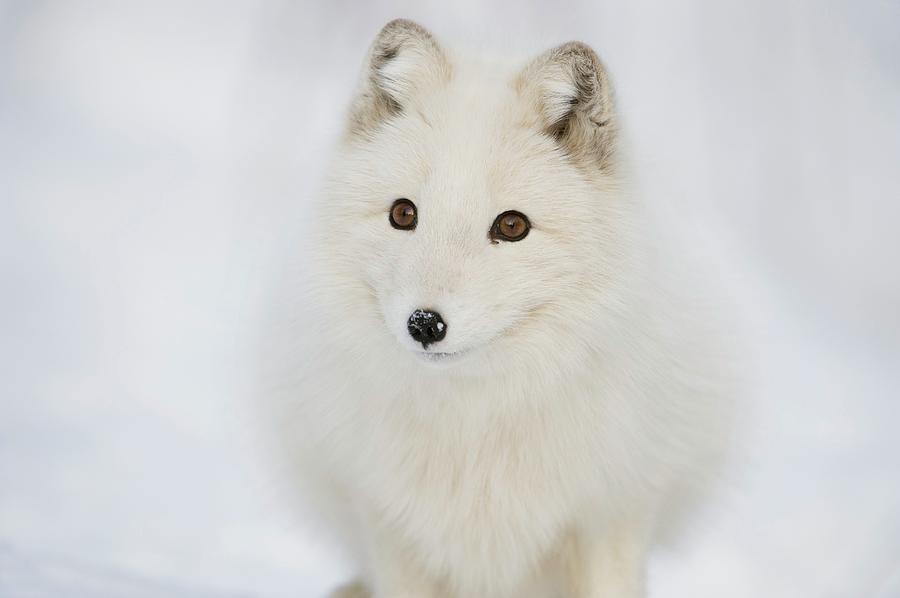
151, 153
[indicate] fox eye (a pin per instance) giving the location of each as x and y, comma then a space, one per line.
403, 215
510, 226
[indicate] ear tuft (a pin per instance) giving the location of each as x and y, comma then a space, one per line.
404, 60
571, 101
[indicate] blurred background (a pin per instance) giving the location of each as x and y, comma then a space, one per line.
153, 154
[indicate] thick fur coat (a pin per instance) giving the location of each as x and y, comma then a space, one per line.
576, 402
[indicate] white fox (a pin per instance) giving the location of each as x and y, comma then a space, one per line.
490, 386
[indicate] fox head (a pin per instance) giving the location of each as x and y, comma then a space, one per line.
473, 217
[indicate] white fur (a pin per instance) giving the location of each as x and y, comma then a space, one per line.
588, 403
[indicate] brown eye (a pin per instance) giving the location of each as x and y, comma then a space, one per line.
403, 214
510, 226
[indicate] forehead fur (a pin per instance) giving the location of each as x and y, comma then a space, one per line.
475, 122
476, 119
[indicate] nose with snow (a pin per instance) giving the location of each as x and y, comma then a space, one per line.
426, 327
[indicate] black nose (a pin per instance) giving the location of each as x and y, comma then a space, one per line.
426, 327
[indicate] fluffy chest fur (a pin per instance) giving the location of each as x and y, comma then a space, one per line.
483, 480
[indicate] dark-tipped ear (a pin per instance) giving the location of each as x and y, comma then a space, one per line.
570, 97
403, 60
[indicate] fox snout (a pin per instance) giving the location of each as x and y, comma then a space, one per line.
426, 327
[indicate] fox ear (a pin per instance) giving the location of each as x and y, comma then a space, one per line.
403, 60
570, 98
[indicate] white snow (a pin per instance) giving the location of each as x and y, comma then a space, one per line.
151, 156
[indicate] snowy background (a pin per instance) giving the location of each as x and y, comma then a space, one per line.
152, 152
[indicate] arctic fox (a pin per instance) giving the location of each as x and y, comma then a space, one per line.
489, 387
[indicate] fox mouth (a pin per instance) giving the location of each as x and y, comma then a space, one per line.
440, 357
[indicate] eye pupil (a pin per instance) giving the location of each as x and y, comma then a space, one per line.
403, 214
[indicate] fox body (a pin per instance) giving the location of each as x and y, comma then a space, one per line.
473, 412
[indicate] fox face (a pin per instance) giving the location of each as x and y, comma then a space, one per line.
472, 208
